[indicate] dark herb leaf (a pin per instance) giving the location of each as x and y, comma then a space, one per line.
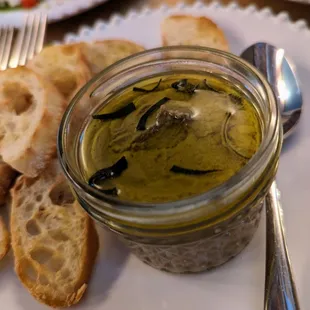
184, 86
235, 99
147, 90
111, 172
111, 192
122, 112
142, 122
177, 169
205, 86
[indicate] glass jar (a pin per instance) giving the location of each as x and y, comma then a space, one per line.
194, 234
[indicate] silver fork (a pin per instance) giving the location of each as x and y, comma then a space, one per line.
29, 41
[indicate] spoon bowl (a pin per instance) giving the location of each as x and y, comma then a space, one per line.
281, 75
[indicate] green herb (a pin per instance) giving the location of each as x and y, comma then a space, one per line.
111, 172
177, 169
142, 122
147, 90
122, 112
184, 86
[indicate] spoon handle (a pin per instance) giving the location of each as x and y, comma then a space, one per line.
280, 290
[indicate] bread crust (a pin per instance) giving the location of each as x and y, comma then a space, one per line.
4, 239
100, 54
7, 177
191, 30
64, 66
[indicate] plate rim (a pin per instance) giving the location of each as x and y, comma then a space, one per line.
301, 25
56, 11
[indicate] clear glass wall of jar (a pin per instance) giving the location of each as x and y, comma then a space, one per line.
194, 234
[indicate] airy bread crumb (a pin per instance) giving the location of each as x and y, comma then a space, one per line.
30, 112
53, 239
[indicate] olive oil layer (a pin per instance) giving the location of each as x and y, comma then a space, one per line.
196, 139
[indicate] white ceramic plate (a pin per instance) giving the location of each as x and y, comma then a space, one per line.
120, 280
56, 10
301, 1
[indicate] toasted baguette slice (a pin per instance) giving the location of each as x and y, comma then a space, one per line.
4, 239
64, 66
53, 239
101, 54
7, 177
190, 30
30, 112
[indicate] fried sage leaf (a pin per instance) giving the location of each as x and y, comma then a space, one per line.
142, 122
111, 192
122, 112
111, 172
178, 169
184, 86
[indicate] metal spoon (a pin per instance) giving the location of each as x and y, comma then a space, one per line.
280, 289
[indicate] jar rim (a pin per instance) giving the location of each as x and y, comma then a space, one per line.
182, 205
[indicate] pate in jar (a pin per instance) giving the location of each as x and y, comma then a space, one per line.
174, 150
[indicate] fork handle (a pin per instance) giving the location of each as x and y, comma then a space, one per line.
280, 289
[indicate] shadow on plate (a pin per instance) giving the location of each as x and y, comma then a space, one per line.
6, 264
110, 263
234, 41
292, 141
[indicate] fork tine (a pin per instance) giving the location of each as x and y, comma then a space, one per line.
34, 38
1, 33
3, 36
26, 42
29, 41
14, 59
7, 49
41, 33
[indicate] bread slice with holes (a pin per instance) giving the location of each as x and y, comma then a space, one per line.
54, 241
4, 239
190, 30
100, 54
30, 112
64, 66
7, 177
